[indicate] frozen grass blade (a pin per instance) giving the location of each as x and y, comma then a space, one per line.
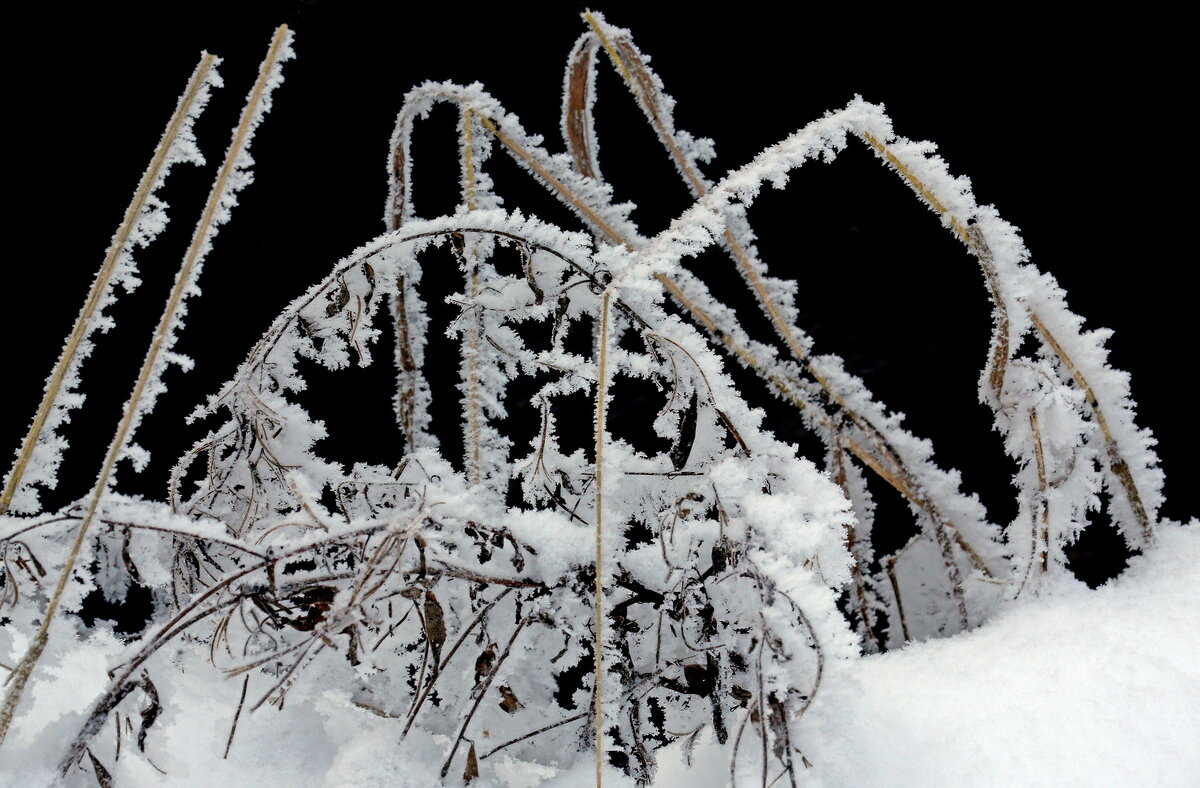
602, 351
191, 103
972, 235
219, 199
579, 90
473, 415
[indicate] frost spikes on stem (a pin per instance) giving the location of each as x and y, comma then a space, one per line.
221, 196
601, 411
191, 103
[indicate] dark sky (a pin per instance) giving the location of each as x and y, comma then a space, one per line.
1077, 120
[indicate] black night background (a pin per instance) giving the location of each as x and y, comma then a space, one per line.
1077, 120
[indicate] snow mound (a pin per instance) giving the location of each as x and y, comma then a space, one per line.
1079, 687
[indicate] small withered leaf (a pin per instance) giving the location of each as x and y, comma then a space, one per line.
472, 770
151, 711
560, 312
102, 776
419, 541
339, 301
312, 604
741, 695
530, 278
720, 555
369, 273
733, 433
484, 662
459, 242
351, 632
435, 625
510, 703
126, 559
777, 721
577, 120
37, 564
687, 435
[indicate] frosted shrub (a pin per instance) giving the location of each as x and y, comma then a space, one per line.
568, 596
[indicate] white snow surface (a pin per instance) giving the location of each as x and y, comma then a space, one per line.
1077, 687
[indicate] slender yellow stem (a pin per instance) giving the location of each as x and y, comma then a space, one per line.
20, 676
584, 209
473, 330
1116, 462
976, 243
924, 191
104, 277
601, 394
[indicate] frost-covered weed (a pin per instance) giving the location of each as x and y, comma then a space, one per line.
542, 598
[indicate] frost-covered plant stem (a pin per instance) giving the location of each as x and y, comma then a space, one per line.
879, 455
708, 562
602, 351
1127, 450
220, 197
191, 103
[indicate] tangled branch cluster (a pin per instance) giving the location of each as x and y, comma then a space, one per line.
544, 596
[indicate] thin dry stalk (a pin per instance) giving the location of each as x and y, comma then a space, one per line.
627, 61
974, 241
406, 396
416, 709
637, 77
998, 363
104, 277
1041, 541
856, 574
474, 415
481, 690
19, 677
586, 211
890, 565
236, 716
1116, 462
531, 734
601, 406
